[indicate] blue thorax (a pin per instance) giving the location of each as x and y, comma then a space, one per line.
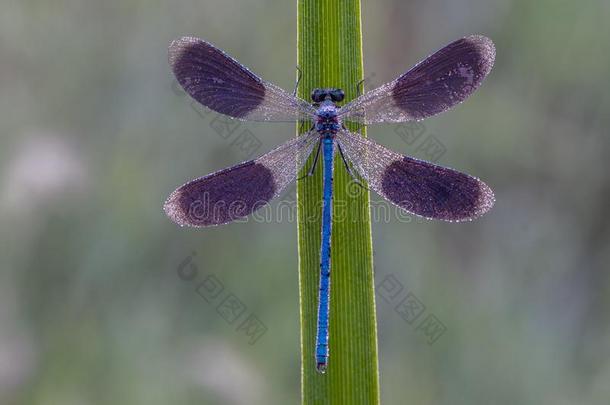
327, 121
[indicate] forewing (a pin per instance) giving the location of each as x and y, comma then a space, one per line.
419, 187
222, 84
237, 191
434, 85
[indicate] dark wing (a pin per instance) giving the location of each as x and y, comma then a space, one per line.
419, 187
237, 191
222, 84
434, 85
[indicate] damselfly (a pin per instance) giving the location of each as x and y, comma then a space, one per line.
434, 85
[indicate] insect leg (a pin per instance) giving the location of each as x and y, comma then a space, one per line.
360, 88
299, 76
315, 162
348, 168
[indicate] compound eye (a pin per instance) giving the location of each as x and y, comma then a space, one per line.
337, 95
317, 95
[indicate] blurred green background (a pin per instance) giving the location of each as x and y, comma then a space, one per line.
96, 309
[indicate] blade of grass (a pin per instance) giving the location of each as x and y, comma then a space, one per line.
330, 55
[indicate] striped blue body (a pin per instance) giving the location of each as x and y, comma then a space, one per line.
327, 125
327, 221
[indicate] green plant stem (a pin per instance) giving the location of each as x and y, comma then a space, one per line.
330, 55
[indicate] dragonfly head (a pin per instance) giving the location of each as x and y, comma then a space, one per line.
319, 95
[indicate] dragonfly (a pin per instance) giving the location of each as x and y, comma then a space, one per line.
434, 85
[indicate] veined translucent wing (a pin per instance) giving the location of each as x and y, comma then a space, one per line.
237, 191
419, 187
434, 85
222, 84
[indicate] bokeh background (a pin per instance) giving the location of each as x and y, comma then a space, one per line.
98, 289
